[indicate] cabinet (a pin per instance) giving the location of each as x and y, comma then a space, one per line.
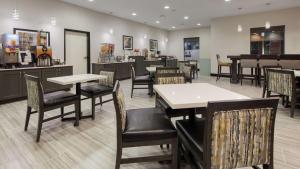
122, 70
13, 84
10, 85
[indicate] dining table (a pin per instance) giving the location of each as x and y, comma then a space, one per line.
297, 73
76, 80
194, 96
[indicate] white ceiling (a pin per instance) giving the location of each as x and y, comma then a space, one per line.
199, 11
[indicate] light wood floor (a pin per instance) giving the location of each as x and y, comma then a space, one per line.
92, 144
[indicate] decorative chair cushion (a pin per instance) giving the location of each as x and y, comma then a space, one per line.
171, 80
122, 107
148, 124
280, 83
33, 100
109, 81
96, 89
241, 138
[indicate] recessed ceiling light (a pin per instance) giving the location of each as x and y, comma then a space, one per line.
227, 0
91, 0
167, 7
173, 27
186, 17
157, 22
133, 14
198, 24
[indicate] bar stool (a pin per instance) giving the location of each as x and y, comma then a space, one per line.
249, 62
220, 65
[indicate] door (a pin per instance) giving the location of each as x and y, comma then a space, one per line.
77, 51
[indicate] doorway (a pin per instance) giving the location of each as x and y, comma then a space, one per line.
77, 50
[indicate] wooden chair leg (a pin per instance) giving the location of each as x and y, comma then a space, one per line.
293, 105
268, 94
268, 166
264, 91
132, 90
174, 155
27, 118
251, 75
40, 124
93, 108
77, 113
218, 75
118, 157
101, 101
62, 112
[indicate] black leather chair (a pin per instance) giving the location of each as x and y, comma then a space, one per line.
102, 88
41, 103
218, 140
140, 81
142, 127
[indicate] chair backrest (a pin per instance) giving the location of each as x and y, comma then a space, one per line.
281, 81
132, 73
177, 78
110, 80
156, 65
268, 60
239, 133
35, 93
290, 64
164, 70
120, 107
249, 61
181, 64
187, 71
265, 71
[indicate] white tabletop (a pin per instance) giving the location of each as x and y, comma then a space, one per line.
195, 95
297, 73
151, 69
73, 79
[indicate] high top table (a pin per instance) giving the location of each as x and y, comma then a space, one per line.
78, 80
194, 96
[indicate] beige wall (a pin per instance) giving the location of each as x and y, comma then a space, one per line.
36, 14
175, 43
226, 40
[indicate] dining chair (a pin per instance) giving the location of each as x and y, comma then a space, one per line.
142, 127
188, 73
156, 65
265, 77
232, 134
181, 64
195, 69
249, 62
283, 82
222, 64
170, 78
140, 81
104, 87
41, 103
266, 61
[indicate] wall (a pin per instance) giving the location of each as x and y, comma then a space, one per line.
226, 40
176, 47
36, 14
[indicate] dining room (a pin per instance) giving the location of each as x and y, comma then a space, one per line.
137, 84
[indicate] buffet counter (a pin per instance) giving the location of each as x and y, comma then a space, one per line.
13, 85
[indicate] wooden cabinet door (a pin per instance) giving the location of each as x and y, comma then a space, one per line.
36, 73
10, 85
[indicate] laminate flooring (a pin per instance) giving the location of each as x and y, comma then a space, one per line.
92, 145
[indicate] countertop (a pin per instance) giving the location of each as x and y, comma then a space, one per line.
30, 68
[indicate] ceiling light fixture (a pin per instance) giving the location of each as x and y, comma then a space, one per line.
133, 14
268, 25
186, 17
173, 27
91, 0
227, 0
145, 36
157, 22
198, 24
111, 31
167, 7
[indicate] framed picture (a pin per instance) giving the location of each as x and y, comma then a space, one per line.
127, 42
153, 45
29, 38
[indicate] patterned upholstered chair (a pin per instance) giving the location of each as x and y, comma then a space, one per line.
181, 64
231, 135
167, 70
140, 81
188, 73
142, 127
103, 88
283, 82
222, 64
265, 78
156, 65
169, 78
41, 103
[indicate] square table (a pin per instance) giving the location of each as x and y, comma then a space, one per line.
195, 95
76, 79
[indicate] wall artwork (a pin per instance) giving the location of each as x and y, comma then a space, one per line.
127, 42
191, 48
153, 45
29, 38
